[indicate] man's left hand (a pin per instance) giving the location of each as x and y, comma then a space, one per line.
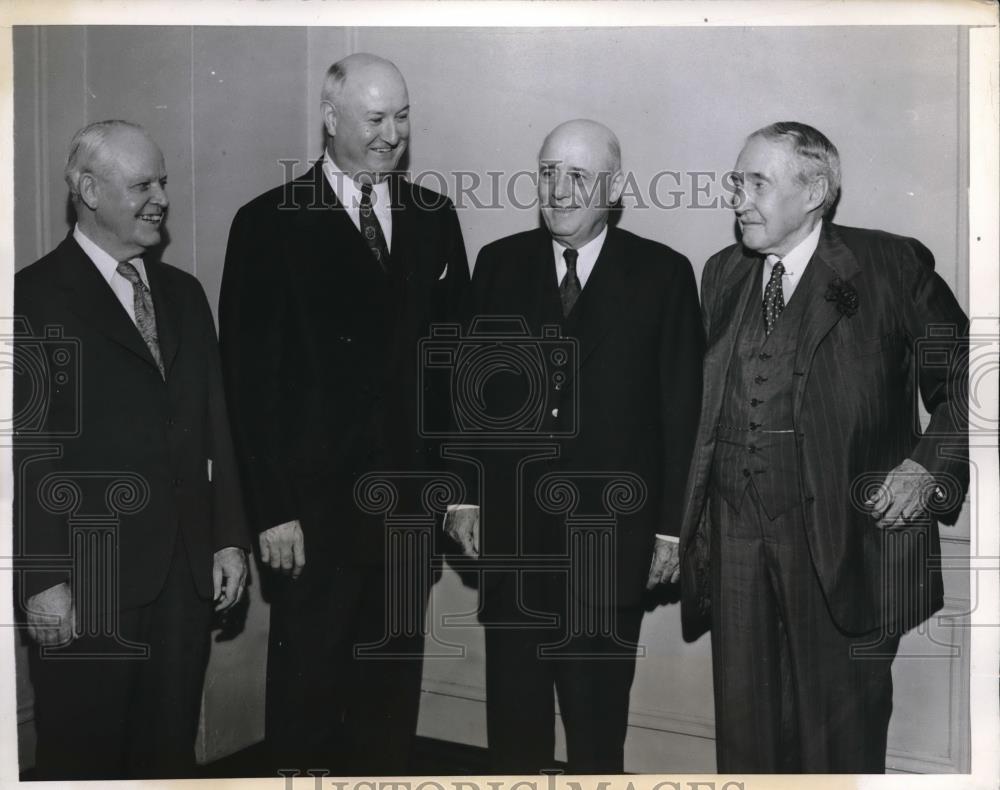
229, 575
902, 496
665, 565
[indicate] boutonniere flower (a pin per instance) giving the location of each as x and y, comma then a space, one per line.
844, 296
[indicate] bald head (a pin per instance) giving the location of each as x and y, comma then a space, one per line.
579, 180
366, 113
582, 133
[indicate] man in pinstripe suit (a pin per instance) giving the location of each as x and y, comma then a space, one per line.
810, 530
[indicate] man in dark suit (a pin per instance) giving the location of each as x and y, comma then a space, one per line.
573, 538
125, 467
814, 494
330, 280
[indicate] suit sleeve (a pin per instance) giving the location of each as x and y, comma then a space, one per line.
229, 522
40, 409
682, 349
254, 331
939, 331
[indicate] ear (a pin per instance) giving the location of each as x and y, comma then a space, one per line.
329, 117
88, 190
818, 189
617, 186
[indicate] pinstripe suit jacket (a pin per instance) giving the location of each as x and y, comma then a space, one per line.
856, 377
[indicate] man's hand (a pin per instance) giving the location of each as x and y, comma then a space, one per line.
902, 496
666, 564
229, 575
284, 548
52, 616
461, 524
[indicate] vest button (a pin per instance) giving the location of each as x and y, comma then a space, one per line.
751, 448
763, 355
558, 387
746, 473
555, 412
755, 402
755, 425
759, 379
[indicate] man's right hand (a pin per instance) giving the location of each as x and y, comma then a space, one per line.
52, 616
284, 548
461, 524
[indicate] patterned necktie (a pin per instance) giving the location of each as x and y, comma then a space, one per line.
569, 288
145, 316
371, 229
774, 297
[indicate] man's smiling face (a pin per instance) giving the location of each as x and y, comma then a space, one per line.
371, 122
128, 194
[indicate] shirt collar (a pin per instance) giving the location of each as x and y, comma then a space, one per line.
347, 190
105, 264
588, 252
797, 258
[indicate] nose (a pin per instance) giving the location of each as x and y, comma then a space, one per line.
562, 186
159, 195
740, 201
390, 131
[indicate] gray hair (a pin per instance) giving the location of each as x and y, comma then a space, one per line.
86, 149
819, 157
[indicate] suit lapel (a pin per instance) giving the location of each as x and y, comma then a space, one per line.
90, 297
831, 260
741, 285
599, 307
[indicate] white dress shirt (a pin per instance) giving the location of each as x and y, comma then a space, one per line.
795, 263
349, 194
108, 267
586, 257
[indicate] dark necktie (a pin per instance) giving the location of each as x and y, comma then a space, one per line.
774, 297
371, 229
145, 316
569, 288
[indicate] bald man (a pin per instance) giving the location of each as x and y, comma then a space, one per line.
588, 513
329, 282
123, 443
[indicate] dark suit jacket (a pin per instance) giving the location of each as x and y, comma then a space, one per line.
320, 349
636, 395
855, 413
104, 411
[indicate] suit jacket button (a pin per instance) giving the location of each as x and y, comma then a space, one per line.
177, 482
746, 473
755, 402
764, 356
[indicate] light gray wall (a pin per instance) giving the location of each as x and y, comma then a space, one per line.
227, 105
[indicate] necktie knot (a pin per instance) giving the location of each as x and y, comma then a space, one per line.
128, 270
570, 256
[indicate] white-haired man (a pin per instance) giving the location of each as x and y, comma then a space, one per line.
810, 525
133, 423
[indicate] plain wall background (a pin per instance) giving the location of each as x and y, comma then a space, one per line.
229, 106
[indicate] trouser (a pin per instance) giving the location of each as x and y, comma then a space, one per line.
793, 693
591, 674
332, 702
117, 718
